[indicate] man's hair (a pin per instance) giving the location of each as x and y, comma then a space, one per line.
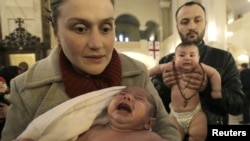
190, 4
23, 66
244, 65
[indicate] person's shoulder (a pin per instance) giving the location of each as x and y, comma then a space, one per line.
167, 58
219, 51
128, 62
42, 72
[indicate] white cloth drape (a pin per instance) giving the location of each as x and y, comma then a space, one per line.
71, 118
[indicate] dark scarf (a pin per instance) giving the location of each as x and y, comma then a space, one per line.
76, 84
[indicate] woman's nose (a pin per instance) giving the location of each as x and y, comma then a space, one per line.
94, 40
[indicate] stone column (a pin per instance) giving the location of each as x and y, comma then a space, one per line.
216, 23
166, 29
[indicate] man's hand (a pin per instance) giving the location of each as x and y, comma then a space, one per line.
169, 77
196, 81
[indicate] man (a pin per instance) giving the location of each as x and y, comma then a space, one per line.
245, 79
191, 24
23, 66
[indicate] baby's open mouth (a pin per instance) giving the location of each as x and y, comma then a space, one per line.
124, 106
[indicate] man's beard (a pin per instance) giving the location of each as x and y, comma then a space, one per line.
197, 41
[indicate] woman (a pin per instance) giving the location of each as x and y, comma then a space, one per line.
84, 61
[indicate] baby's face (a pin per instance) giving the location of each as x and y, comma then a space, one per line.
187, 58
130, 108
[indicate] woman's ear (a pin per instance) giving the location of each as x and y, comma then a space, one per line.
55, 32
149, 123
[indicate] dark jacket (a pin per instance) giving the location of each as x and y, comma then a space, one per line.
245, 79
8, 73
233, 98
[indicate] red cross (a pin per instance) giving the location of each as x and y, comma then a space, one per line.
154, 49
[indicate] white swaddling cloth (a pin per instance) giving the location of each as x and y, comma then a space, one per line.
68, 120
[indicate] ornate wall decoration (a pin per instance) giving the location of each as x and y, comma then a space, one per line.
20, 38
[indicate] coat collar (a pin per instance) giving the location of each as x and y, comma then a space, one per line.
47, 71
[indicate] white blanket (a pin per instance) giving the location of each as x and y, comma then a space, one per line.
71, 118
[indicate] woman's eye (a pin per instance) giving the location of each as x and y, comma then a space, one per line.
80, 29
106, 29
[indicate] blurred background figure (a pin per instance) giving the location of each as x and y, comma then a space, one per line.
3, 102
6, 74
23, 66
3, 85
245, 79
10, 72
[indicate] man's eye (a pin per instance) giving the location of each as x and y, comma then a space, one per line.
197, 21
185, 22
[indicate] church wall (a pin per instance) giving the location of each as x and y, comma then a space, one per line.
143, 10
239, 42
28, 10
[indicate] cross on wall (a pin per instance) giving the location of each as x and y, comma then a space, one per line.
154, 49
19, 22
